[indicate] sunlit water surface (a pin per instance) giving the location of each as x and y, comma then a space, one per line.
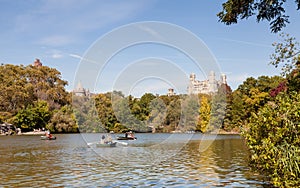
153, 160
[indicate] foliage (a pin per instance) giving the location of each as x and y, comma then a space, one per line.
48, 85
16, 91
286, 55
157, 114
86, 114
190, 113
34, 116
273, 139
204, 114
144, 104
22, 86
273, 129
136, 108
103, 104
218, 109
124, 116
63, 121
272, 11
173, 115
280, 88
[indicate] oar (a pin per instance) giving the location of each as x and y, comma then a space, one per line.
123, 143
91, 143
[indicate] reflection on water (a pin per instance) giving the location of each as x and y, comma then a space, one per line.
153, 160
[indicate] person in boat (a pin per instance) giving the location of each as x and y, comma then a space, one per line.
108, 138
130, 135
48, 134
102, 139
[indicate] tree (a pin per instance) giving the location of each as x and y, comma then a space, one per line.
135, 108
157, 114
48, 85
144, 104
23, 85
16, 92
63, 120
34, 116
218, 109
173, 115
271, 10
236, 115
204, 114
287, 56
190, 113
87, 115
126, 118
103, 103
255, 92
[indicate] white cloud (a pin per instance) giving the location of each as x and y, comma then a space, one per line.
75, 56
57, 56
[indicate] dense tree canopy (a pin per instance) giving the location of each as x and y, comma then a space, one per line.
22, 85
29, 94
35, 116
272, 11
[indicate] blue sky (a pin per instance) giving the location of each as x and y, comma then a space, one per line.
60, 33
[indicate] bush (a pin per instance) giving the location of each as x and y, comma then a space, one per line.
273, 139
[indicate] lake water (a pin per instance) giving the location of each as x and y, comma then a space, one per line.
153, 160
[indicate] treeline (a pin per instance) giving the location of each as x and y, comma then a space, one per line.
225, 110
115, 112
34, 97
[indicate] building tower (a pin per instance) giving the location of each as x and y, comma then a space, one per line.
212, 83
37, 63
171, 92
223, 79
80, 91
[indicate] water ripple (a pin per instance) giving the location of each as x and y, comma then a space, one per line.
68, 162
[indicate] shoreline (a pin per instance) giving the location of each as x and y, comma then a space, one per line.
35, 133
32, 133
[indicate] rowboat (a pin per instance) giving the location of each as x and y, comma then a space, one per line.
126, 138
109, 144
48, 138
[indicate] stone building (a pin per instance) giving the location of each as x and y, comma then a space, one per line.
208, 86
37, 63
80, 91
171, 92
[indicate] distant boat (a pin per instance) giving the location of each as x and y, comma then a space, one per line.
190, 132
109, 144
128, 136
48, 138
